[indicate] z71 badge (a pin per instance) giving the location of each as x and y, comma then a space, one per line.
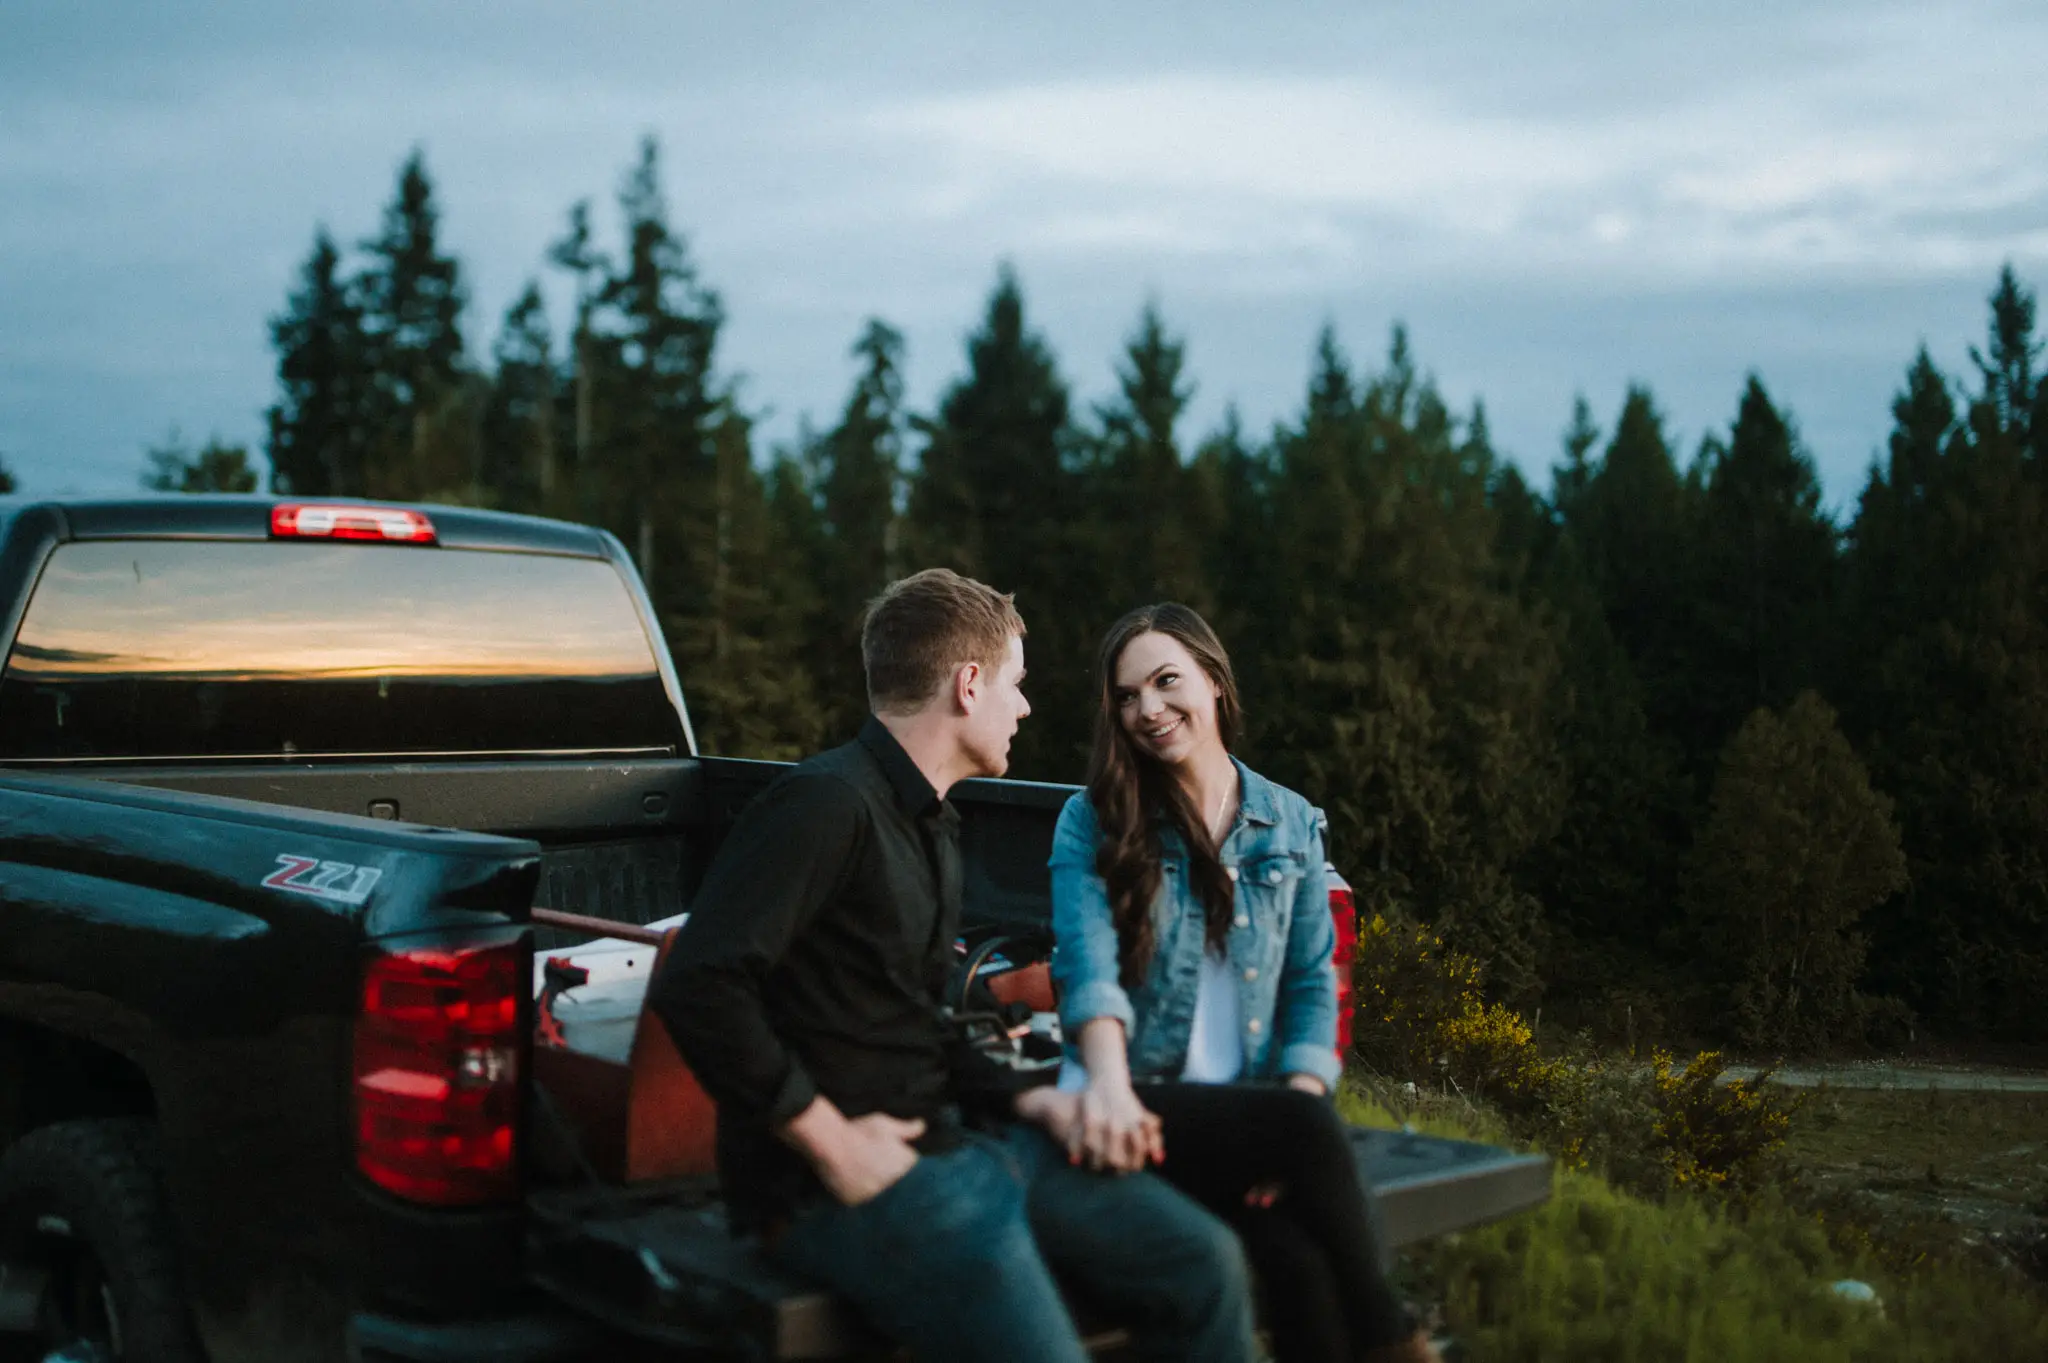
336, 880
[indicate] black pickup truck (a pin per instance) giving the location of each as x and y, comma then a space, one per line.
287, 795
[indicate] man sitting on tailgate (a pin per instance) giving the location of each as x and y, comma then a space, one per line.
804, 992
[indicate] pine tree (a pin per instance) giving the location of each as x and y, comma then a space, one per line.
1609, 876
1413, 687
864, 454
1796, 849
320, 425
654, 336
588, 267
741, 646
1763, 599
215, 467
857, 471
425, 441
1570, 480
1137, 491
663, 457
518, 468
994, 498
2006, 364
1633, 524
1890, 585
1950, 540
1229, 514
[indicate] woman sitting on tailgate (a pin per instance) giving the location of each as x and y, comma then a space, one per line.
1193, 944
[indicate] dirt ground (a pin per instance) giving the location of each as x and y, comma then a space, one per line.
1953, 1161
1916, 1077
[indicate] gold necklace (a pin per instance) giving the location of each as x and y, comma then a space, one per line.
1217, 828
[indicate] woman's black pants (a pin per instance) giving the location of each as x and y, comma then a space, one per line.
1314, 1249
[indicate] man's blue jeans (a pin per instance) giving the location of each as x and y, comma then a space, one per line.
957, 1258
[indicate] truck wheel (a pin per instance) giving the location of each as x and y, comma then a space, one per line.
81, 1204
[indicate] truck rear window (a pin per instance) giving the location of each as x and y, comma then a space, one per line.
207, 649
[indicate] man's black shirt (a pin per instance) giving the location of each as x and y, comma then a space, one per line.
814, 959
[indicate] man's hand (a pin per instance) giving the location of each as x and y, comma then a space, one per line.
856, 1159
1047, 1107
1114, 1131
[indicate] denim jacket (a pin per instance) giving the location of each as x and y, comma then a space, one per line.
1278, 947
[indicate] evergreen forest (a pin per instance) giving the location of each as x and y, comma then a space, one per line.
1664, 745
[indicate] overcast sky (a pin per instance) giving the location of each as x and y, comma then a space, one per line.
1554, 197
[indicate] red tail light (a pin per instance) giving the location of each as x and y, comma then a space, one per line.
344, 521
1344, 916
437, 1058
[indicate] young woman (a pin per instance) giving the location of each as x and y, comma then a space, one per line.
1193, 937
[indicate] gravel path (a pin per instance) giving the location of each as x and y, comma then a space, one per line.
1878, 1074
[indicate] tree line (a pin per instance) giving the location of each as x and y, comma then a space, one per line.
1663, 744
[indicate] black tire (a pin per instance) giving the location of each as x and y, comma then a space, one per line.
83, 1201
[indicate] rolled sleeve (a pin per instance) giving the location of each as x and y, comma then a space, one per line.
1306, 1026
793, 1095
1319, 1062
1084, 959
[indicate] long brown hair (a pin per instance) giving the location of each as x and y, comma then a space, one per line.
1133, 793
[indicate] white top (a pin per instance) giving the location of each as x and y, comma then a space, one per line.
1215, 1055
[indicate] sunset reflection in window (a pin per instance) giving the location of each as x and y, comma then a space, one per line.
162, 648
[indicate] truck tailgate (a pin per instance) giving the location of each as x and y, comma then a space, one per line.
658, 1261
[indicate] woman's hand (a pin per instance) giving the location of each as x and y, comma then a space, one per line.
1308, 1083
1115, 1131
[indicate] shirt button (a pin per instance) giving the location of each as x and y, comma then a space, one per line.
1230, 871
1251, 972
1255, 1027
1243, 920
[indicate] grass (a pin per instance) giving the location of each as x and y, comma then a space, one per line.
1598, 1274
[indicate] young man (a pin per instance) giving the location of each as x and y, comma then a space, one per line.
805, 992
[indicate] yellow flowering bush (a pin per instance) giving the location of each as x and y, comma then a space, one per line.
1421, 1016
1714, 1132
1406, 987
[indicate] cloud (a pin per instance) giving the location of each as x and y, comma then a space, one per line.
1553, 196
1324, 142
1742, 182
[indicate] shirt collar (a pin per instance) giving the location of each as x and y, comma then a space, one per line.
915, 794
1255, 796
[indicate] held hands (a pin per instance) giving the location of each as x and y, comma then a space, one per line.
1112, 1130
1116, 1142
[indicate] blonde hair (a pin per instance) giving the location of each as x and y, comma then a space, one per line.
923, 627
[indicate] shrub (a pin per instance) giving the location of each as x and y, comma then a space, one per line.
1421, 1017
1490, 1052
1716, 1133
1407, 986
1796, 848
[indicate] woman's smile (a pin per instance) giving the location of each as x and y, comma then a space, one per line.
1164, 728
